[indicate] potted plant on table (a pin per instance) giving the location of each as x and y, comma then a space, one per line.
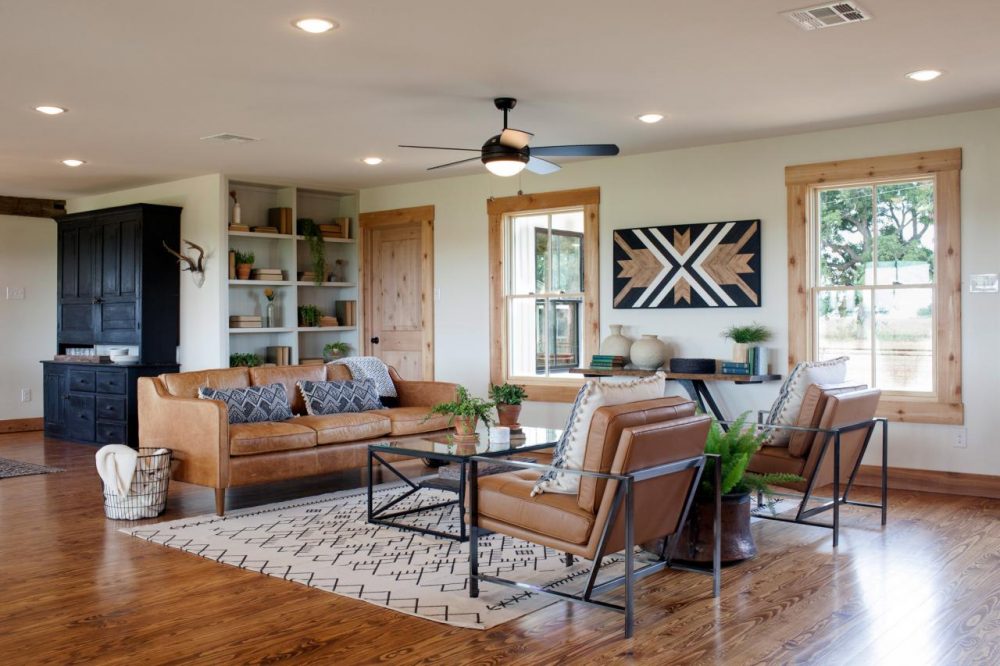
335, 350
735, 447
508, 398
244, 262
745, 337
465, 411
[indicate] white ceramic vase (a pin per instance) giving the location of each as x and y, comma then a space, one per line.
616, 344
648, 353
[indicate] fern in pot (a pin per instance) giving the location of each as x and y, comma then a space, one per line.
466, 411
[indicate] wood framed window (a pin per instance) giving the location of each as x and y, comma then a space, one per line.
544, 277
874, 273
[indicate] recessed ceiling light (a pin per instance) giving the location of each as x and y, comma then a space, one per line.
50, 110
316, 26
372, 161
650, 118
73, 163
924, 75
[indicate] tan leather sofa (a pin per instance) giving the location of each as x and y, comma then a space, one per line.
211, 452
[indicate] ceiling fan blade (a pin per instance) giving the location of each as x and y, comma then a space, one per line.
580, 150
441, 166
471, 150
538, 165
515, 138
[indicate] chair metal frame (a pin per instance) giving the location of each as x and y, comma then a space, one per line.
623, 493
832, 441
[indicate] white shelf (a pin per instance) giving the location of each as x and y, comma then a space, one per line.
254, 283
238, 331
300, 283
254, 234
325, 240
319, 329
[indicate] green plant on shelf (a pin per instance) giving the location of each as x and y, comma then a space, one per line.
747, 335
334, 350
243, 257
317, 248
248, 360
308, 315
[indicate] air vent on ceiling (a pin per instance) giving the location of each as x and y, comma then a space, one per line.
827, 16
229, 138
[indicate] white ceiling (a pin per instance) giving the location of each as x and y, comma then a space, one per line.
144, 80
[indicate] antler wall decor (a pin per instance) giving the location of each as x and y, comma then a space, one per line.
187, 263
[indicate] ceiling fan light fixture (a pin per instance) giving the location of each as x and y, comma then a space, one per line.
505, 166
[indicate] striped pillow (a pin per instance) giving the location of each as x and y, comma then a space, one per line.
785, 410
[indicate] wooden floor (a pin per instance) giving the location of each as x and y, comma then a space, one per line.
925, 590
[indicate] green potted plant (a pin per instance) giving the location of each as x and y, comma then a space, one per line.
508, 398
465, 411
334, 350
308, 315
744, 337
735, 447
317, 248
248, 360
244, 262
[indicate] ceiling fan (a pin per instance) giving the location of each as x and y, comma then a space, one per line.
507, 153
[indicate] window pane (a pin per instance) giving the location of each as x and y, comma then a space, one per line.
845, 235
525, 320
906, 233
843, 328
567, 261
527, 259
904, 333
558, 335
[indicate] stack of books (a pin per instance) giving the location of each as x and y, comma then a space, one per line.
265, 230
245, 321
756, 363
281, 219
346, 312
279, 355
307, 276
340, 227
327, 320
267, 274
734, 368
239, 227
606, 361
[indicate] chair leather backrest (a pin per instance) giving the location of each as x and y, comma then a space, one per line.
605, 434
659, 501
811, 412
186, 384
841, 410
289, 375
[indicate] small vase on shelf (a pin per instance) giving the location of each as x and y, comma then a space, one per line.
648, 353
616, 344
269, 315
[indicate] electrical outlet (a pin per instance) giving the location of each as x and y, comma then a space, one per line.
26, 395
961, 438
437, 293
15, 293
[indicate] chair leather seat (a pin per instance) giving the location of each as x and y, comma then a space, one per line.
413, 420
349, 427
775, 459
247, 439
507, 497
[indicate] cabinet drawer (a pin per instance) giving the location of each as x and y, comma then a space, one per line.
110, 409
111, 382
80, 417
109, 432
82, 380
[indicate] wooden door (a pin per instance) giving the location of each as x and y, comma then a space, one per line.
398, 289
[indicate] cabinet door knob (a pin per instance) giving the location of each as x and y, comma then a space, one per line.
98, 300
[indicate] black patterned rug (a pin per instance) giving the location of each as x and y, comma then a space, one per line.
326, 542
10, 468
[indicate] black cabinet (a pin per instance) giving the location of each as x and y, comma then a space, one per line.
117, 284
95, 403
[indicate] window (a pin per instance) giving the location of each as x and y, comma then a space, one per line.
874, 275
544, 290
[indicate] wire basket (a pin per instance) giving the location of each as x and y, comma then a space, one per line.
147, 496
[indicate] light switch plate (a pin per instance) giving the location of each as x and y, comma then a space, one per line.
984, 283
15, 293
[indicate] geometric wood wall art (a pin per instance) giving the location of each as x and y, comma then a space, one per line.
688, 266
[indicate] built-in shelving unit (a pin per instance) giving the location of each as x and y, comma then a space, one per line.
290, 253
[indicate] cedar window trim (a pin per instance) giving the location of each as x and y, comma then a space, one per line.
802, 182
498, 209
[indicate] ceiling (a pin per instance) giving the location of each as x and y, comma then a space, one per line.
144, 80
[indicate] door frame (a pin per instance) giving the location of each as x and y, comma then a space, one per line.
368, 222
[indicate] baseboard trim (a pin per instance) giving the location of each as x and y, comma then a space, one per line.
932, 481
21, 425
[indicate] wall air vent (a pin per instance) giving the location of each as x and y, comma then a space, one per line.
229, 138
827, 16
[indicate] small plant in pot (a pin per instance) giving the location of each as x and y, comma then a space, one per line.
744, 337
735, 447
308, 315
465, 411
335, 350
248, 360
244, 262
508, 398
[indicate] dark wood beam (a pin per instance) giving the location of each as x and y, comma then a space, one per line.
32, 207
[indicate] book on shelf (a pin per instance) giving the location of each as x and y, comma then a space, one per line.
265, 229
239, 227
279, 355
281, 219
604, 357
232, 264
327, 320
307, 276
267, 274
345, 312
311, 361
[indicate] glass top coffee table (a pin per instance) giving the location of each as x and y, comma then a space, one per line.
443, 448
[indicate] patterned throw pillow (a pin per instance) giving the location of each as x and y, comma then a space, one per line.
340, 397
785, 410
254, 404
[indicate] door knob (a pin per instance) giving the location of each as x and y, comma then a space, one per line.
375, 340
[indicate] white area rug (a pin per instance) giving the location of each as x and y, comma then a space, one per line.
326, 542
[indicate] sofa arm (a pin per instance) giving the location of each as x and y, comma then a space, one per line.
196, 430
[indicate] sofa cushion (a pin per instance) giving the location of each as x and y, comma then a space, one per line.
186, 384
414, 420
254, 404
785, 409
289, 376
351, 427
507, 497
340, 397
247, 439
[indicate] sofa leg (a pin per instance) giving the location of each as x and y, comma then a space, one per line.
220, 501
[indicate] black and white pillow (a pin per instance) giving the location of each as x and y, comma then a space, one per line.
254, 404
340, 397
